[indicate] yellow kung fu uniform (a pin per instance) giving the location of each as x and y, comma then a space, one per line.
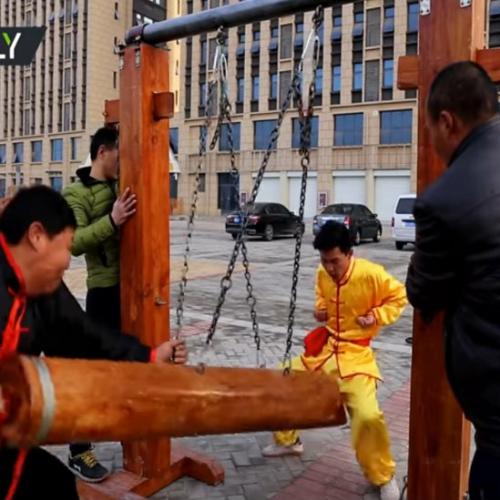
366, 287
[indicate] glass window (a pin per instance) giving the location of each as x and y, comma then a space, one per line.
388, 73
36, 151
273, 94
405, 206
336, 78
296, 128
357, 76
413, 15
262, 133
2, 188
3, 154
396, 127
74, 148
56, 183
388, 19
319, 81
224, 144
240, 96
56, 150
349, 130
18, 153
174, 140
255, 88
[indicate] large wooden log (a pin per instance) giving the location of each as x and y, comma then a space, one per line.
50, 402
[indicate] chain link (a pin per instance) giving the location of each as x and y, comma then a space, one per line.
305, 119
220, 66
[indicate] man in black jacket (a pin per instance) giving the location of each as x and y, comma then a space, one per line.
456, 265
38, 314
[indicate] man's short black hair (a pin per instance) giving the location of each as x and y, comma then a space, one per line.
465, 89
105, 136
36, 204
333, 235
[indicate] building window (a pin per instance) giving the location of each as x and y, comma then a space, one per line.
67, 116
349, 130
255, 88
27, 88
203, 94
2, 188
358, 28
389, 20
285, 80
37, 181
67, 81
3, 154
273, 91
286, 41
202, 182
388, 73
240, 96
357, 76
224, 137
372, 80
56, 182
27, 120
241, 35
275, 28
115, 79
413, 15
296, 131
256, 32
174, 140
67, 46
74, 148
373, 27
67, 11
18, 152
336, 78
262, 133
396, 127
203, 52
319, 81
36, 152
56, 150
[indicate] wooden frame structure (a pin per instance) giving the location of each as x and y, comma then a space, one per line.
439, 435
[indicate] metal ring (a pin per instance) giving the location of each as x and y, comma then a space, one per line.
49, 400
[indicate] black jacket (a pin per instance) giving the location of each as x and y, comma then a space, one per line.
57, 326
456, 268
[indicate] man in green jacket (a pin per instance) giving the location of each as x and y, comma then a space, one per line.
99, 214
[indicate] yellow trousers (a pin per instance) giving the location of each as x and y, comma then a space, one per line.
370, 438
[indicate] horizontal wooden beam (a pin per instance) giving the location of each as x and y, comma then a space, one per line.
489, 59
408, 67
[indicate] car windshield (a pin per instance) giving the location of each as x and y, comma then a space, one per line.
258, 208
405, 206
338, 209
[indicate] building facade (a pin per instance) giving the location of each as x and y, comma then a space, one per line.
364, 133
52, 107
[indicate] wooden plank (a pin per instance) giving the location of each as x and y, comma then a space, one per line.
408, 72
489, 59
163, 105
112, 112
439, 435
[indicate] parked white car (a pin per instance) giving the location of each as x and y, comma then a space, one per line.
403, 222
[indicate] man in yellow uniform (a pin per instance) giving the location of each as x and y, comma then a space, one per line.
355, 298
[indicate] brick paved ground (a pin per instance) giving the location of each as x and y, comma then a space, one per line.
328, 468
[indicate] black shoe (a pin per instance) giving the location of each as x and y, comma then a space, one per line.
87, 467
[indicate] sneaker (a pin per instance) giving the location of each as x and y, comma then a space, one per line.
390, 490
87, 467
277, 450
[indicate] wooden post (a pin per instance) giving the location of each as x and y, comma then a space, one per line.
145, 266
452, 31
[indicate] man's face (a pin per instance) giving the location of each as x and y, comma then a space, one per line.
110, 162
335, 262
51, 259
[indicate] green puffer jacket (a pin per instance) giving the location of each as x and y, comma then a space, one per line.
96, 236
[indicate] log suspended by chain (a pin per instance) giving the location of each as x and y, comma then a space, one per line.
47, 402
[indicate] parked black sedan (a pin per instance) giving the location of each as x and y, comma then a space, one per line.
361, 222
266, 220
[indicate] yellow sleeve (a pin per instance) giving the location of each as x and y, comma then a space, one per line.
320, 299
390, 297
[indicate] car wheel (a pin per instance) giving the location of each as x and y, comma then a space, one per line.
357, 237
378, 235
268, 232
399, 245
234, 235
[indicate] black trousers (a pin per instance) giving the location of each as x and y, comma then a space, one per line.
103, 306
484, 481
43, 476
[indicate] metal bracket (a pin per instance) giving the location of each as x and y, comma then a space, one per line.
465, 3
425, 7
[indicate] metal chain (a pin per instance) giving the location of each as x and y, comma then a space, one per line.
226, 281
219, 63
305, 120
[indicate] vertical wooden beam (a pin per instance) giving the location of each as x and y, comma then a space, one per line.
439, 435
145, 238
